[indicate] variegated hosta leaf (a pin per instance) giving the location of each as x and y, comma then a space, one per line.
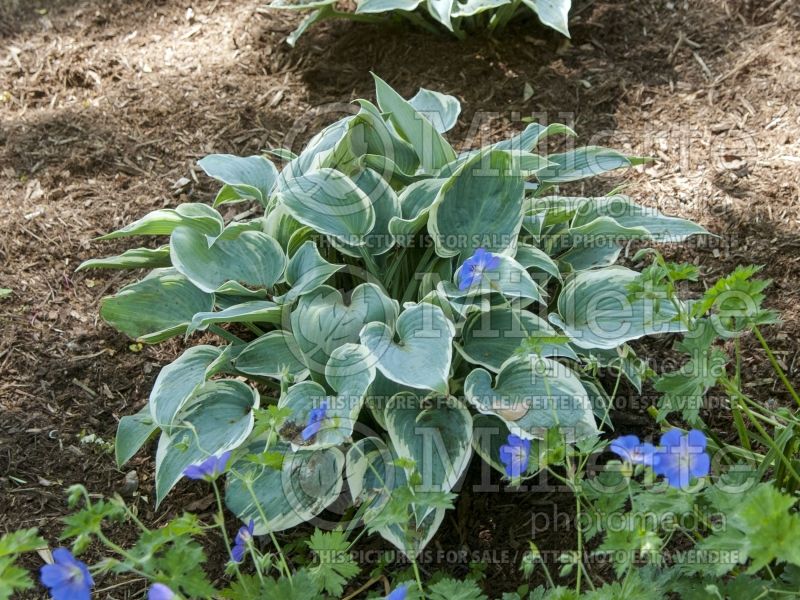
136, 258
300, 4
531, 257
372, 473
132, 432
623, 210
533, 394
331, 203
531, 136
219, 417
372, 477
371, 134
435, 434
255, 311
581, 163
479, 206
553, 13
440, 109
582, 258
316, 152
200, 217
595, 310
379, 393
307, 271
440, 10
508, 278
323, 321
458, 308
415, 203
490, 338
303, 487
177, 381
156, 308
248, 176
474, 7
350, 371
249, 258
411, 544
432, 149
280, 225
379, 6
274, 354
386, 206
421, 358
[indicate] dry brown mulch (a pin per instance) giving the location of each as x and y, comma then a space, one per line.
106, 104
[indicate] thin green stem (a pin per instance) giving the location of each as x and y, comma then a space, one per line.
226, 335
767, 439
416, 575
221, 525
281, 557
774, 362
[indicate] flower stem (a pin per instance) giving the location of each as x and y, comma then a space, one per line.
774, 362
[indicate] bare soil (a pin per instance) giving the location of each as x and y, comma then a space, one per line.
105, 105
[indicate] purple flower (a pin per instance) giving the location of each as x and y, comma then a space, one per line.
473, 268
315, 418
682, 457
244, 535
399, 593
514, 455
158, 591
68, 578
631, 450
210, 468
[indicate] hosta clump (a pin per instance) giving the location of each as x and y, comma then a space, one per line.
454, 16
404, 305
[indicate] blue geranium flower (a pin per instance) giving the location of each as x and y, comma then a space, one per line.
244, 535
682, 457
631, 450
315, 419
473, 268
515, 455
210, 468
68, 578
399, 593
158, 591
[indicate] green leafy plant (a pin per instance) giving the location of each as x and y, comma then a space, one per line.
453, 16
384, 306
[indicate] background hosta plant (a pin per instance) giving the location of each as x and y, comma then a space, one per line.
455, 16
394, 307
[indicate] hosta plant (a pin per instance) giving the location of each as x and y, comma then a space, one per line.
454, 16
387, 309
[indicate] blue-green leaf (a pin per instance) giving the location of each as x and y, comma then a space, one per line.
249, 258
531, 395
421, 358
272, 355
136, 258
250, 176
332, 204
219, 418
433, 150
307, 271
480, 205
132, 432
595, 309
156, 308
